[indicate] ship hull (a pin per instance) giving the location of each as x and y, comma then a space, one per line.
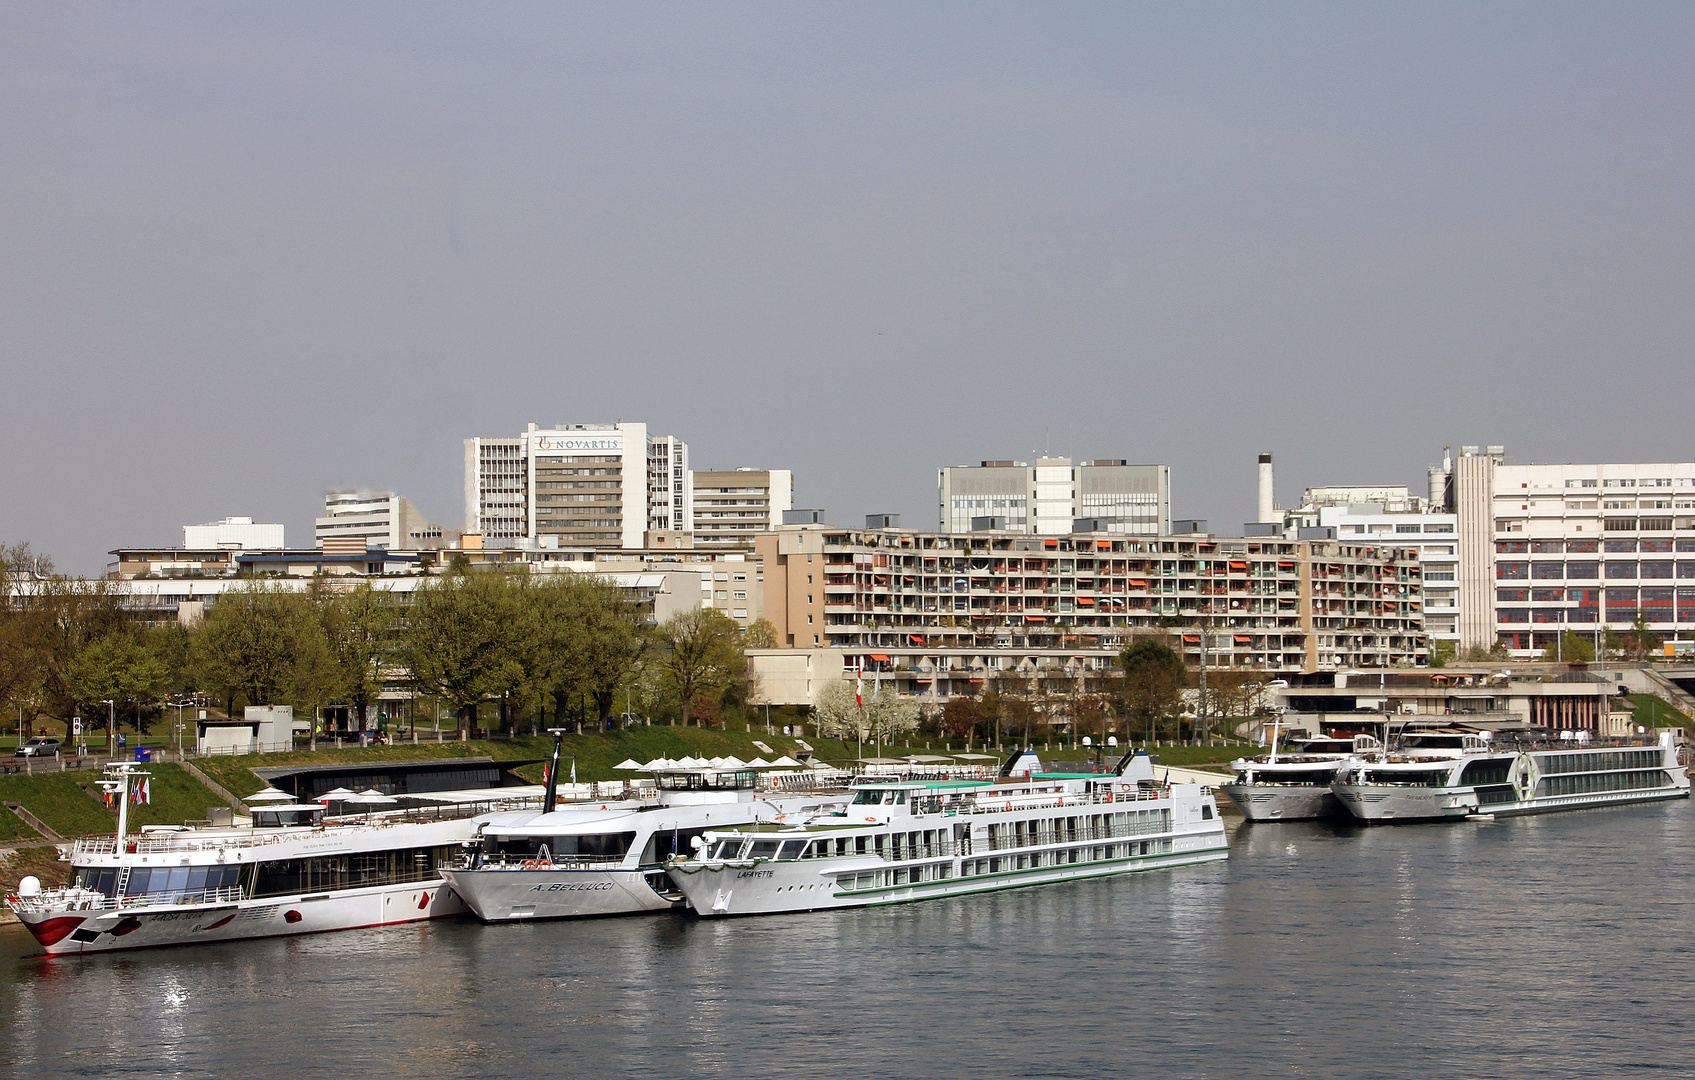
508, 895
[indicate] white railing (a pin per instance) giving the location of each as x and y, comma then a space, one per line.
89, 900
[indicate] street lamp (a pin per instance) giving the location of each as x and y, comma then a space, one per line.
111, 724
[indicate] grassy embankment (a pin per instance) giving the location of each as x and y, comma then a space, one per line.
1654, 711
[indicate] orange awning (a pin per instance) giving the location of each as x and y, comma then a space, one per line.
1103, 545
1140, 583
879, 656
1085, 600
1195, 638
1243, 639
1035, 618
1234, 565
916, 639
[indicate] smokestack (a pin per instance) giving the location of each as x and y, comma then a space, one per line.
1267, 505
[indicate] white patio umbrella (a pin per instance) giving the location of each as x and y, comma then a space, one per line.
759, 763
270, 794
629, 763
339, 794
731, 762
785, 762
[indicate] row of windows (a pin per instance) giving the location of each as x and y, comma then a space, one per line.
1616, 569
162, 885
1591, 782
328, 873
1599, 760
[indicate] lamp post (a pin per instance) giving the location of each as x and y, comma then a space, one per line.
111, 724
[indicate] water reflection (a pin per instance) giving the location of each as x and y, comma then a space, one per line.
1543, 947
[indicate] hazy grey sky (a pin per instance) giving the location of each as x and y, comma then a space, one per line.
257, 252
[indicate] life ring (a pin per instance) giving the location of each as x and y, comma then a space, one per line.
529, 864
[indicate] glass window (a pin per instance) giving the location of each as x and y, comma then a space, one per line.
1654, 568
1547, 571
1621, 568
1582, 570
1512, 571
1547, 596
1580, 547
1511, 596
1621, 545
1512, 547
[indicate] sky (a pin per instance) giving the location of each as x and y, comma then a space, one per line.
253, 253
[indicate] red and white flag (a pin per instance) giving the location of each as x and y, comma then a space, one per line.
859, 688
142, 793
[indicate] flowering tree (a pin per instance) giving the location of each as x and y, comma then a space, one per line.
884, 714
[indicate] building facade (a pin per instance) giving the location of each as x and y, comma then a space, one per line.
379, 519
1582, 548
232, 532
936, 613
1391, 515
1050, 497
575, 485
731, 509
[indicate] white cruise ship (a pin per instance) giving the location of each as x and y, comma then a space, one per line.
907, 840
1295, 786
609, 859
291, 871
1535, 778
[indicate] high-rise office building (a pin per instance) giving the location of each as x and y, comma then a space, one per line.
376, 519
576, 485
1580, 548
1056, 496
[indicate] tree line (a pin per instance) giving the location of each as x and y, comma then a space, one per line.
1145, 695
559, 649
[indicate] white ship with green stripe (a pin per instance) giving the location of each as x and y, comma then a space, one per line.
901, 841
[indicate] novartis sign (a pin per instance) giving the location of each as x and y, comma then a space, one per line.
580, 442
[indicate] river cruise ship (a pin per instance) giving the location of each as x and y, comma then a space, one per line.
609, 858
292, 870
1511, 778
1295, 785
901, 841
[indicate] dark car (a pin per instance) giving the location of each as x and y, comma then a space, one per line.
40, 746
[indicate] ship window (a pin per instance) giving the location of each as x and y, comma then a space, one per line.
1206, 812
763, 849
791, 850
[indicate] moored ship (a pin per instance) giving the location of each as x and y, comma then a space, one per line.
610, 859
902, 841
292, 870
1531, 777
1296, 785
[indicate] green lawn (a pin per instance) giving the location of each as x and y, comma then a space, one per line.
69, 808
1654, 711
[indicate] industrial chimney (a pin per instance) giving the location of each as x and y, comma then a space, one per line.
1267, 505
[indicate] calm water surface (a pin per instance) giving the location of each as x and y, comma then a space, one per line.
1547, 947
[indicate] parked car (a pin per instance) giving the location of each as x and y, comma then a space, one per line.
40, 746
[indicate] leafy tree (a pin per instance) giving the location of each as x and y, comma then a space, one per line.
760, 634
700, 653
1641, 642
1572, 648
588, 641
120, 668
960, 716
464, 640
1154, 678
263, 644
1442, 653
359, 636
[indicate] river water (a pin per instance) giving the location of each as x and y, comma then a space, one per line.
1556, 946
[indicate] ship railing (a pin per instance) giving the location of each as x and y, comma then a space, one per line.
990, 803
480, 861
88, 900
147, 844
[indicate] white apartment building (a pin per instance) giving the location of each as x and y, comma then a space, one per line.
670, 496
1051, 497
232, 532
731, 508
381, 519
1550, 548
1390, 515
575, 485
